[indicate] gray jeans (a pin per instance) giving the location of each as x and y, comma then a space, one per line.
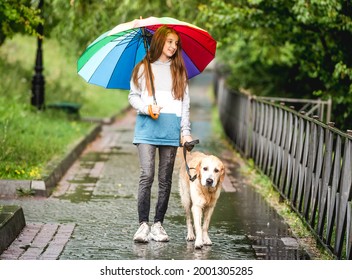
167, 155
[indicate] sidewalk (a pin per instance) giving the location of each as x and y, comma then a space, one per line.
92, 214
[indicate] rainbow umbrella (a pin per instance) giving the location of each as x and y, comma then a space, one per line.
110, 59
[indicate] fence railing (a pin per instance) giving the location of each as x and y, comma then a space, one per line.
309, 162
310, 107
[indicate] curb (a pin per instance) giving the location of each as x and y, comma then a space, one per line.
59, 171
12, 222
9, 188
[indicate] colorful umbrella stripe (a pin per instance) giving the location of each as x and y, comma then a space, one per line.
110, 59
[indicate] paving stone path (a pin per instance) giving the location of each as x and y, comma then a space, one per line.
39, 241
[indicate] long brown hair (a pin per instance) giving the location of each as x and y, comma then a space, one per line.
178, 69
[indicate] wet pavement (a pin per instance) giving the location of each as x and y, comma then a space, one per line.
96, 201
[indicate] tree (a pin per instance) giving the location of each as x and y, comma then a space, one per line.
288, 48
18, 16
77, 23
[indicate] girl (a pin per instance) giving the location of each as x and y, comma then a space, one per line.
159, 127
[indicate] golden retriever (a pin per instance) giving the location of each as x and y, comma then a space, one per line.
200, 196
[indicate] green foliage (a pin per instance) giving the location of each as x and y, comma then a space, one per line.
62, 83
25, 192
18, 16
286, 48
29, 139
86, 20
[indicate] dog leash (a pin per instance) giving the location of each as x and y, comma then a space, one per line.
188, 146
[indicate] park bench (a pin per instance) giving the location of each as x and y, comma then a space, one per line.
68, 107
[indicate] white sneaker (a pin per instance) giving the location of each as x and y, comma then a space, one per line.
158, 233
142, 234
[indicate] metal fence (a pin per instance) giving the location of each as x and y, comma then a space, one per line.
310, 107
309, 162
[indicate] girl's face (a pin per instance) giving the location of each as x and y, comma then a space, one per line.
170, 47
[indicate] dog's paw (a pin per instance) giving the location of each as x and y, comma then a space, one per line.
198, 244
190, 236
207, 241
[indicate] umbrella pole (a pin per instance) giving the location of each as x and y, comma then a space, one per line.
148, 64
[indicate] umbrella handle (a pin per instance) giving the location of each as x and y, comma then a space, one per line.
150, 110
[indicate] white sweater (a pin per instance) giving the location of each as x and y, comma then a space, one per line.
174, 115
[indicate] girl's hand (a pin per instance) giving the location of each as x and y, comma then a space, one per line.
156, 109
186, 138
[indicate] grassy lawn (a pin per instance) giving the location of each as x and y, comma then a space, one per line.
30, 139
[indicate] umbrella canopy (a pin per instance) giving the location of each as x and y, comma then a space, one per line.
110, 59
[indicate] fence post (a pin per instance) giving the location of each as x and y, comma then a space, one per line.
328, 114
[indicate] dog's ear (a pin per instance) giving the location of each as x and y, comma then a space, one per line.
199, 174
222, 173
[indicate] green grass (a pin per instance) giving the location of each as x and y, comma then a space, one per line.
30, 139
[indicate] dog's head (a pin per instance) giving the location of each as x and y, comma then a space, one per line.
210, 171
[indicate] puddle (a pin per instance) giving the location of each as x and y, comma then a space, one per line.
82, 194
94, 157
84, 180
